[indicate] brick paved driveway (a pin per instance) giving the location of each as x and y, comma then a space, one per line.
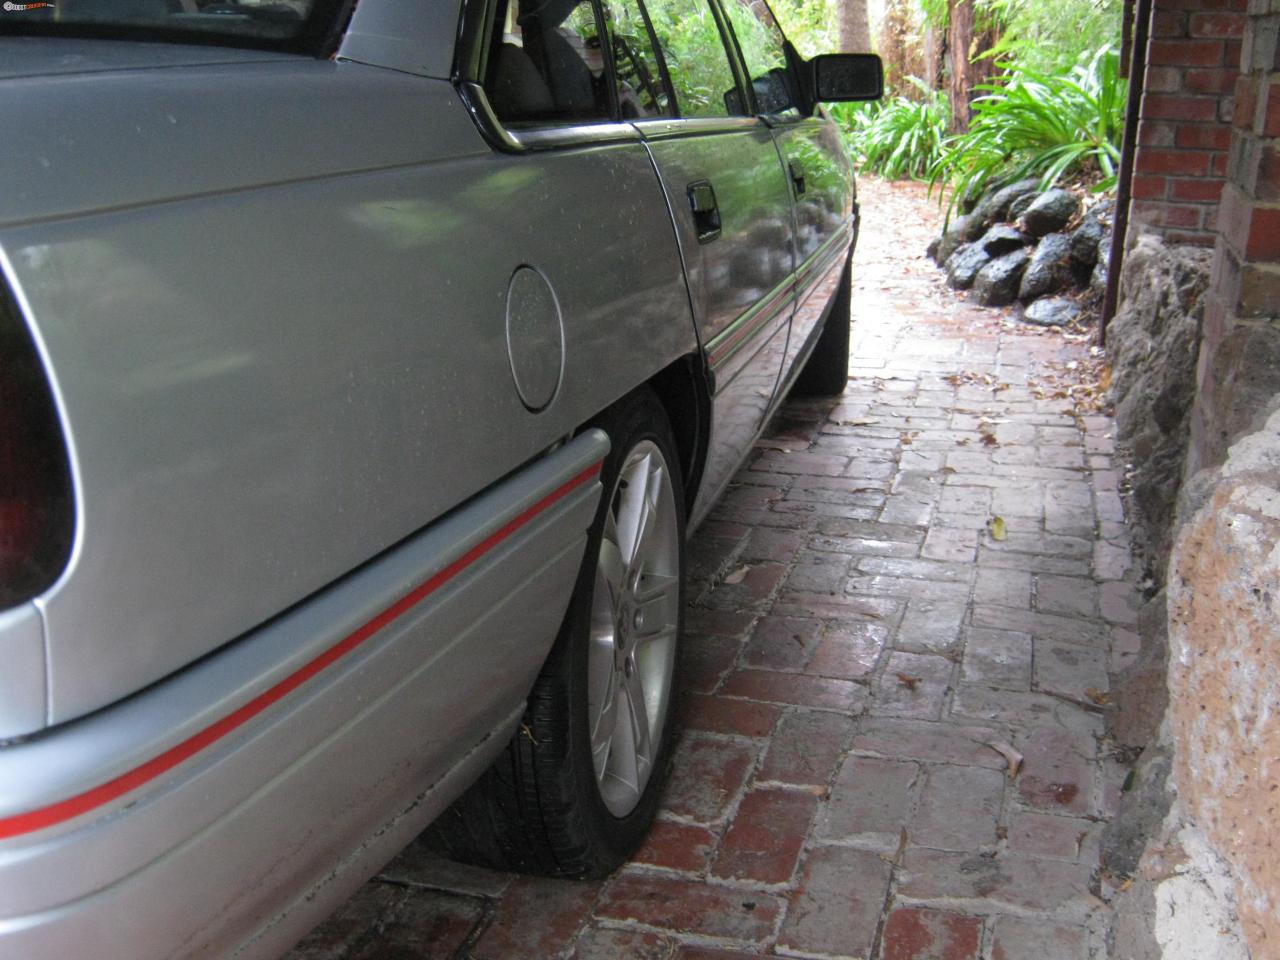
863, 661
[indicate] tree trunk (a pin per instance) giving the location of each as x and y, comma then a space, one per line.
854, 25
964, 47
931, 56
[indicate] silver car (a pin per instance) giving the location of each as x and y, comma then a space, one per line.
362, 369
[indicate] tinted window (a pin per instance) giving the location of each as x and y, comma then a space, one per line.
760, 41
547, 64
695, 56
642, 87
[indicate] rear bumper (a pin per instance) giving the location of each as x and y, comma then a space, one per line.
227, 809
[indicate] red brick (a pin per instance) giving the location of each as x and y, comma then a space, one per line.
603, 943
1264, 235
1187, 163
914, 933
1061, 838
1259, 290
677, 846
687, 906
1217, 82
537, 918
1017, 939
706, 775
718, 623
1156, 134
703, 953
1147, 186
1169, 24
1159, 214
1207, 25
837, 902
1196, 191
1163, 79
1271, 122
1203, 136
1057, 770
976, 791
1176, 106
704, 660
722, 715
1246, 101
1232, 51
806, 748
1220, 164
1266, 185
766, 836
871, 798
1004, 881
923, 740
785, 643
848, 650
1186, 53
796, 689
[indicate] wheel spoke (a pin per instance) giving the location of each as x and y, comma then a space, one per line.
613, 568
638, 717
656, 600
604, 723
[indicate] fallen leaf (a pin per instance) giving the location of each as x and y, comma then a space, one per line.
1012, 758
997, 529
963, 442
859, 422
947, 470
738, 575
1100, 697
908, 681
779, 445
989, 439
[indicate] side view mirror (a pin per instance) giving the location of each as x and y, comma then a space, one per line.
846, 76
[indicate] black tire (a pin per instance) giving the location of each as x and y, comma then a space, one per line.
826, 372
541, 807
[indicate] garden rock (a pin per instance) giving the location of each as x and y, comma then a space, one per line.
997, 283
1084, 244
957, 234
1003, 239
1019, 206
964, 264
1051, 211
994, 207
1052, 312
1050, 268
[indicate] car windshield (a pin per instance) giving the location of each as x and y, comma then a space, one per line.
269, 23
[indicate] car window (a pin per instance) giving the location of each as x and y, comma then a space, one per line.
643, 87
761, 42
547, 63
696, 58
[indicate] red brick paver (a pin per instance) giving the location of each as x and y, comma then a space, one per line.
842, 787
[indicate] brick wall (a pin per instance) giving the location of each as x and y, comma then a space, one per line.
1193, 60
1239, 369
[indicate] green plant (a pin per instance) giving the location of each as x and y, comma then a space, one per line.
896, 138
1030, 123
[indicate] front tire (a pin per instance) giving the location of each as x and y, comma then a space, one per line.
578, 786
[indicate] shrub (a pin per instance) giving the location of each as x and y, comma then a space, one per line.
1030, 123
896, 138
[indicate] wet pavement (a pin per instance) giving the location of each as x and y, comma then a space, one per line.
901, 619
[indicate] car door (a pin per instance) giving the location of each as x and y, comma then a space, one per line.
818, 170
731, 204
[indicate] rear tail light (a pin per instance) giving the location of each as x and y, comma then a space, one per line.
36, 511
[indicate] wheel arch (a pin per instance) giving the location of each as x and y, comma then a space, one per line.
683, 389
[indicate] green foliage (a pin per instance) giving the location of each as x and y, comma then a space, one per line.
896, 138
695, 56
1030, 123
1052, 37
809, 24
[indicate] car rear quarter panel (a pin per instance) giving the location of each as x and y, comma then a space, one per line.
281, 363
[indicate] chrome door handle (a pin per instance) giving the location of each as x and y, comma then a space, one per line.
706, 210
